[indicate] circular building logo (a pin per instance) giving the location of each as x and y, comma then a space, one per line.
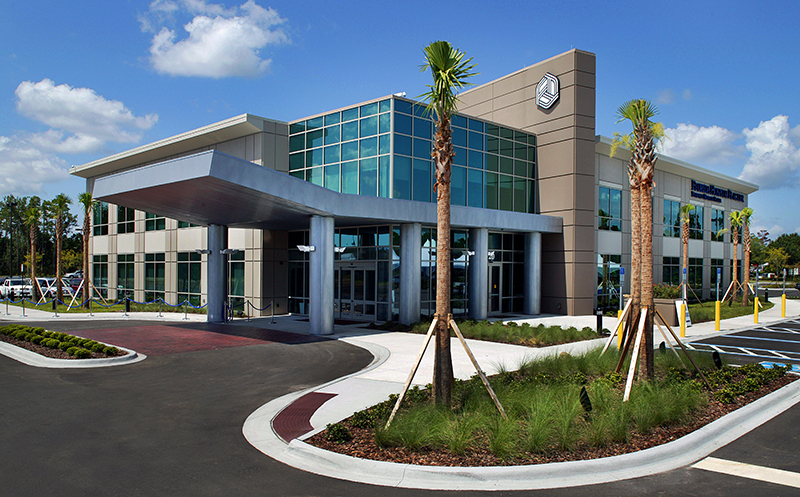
547, 91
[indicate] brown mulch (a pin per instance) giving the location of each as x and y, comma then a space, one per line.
363, 446
54, 353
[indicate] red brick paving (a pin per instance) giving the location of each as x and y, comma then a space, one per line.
295, 420
155, 340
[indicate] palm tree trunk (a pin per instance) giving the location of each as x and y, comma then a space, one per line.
735, 277
59, 234
34, 287
646, 366
746, 263
443, 367
443, 363
685, 237
86, 227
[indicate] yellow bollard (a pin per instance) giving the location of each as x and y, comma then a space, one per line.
755, 312
783, 305
682, 319
716, 316
619, 331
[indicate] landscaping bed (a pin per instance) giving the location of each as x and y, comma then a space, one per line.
547, 422
56, 345
511, 332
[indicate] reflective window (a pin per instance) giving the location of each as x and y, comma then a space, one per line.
383, 176
402, 145
369, 109
332, 119
402, 124
349, 131
609, 211
475, 188
422, 180
458, 186
402, 178
350, 151
331, 135
332, 154
332, 177
350, 114
350, 177
369, 126
369, 147
368, 177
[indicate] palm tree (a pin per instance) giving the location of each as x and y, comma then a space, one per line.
736, 222
645, 137
627, 141
685, 215
59, 209
449, 71
747, 212
88, 204
31, 218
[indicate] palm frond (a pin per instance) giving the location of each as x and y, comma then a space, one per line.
450, 72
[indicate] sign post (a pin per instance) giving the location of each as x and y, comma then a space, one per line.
622, 284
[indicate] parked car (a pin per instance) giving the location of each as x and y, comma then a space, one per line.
797, 286
75, 284
50, 290
16, 287
76, 274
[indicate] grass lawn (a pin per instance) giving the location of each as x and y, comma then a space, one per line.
706, 311
100, 307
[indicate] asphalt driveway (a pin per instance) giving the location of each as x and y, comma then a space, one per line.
172, 424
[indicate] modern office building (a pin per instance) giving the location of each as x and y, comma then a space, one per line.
334, 215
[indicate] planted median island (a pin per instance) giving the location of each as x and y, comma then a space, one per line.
547, 420
55, 344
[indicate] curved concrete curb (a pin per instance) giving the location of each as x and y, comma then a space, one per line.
673, 455
25, 356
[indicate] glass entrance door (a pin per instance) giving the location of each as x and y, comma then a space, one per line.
495, 286
354, 291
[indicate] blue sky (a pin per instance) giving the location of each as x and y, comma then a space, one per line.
82, 80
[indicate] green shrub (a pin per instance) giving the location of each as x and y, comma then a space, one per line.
47, 334
97, 347
82, 354
110, 351
51, 342
665, 291
65, 345
71, 350
36, 340
338, 433
37, 331
363, 419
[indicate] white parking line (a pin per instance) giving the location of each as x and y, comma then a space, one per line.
760, 473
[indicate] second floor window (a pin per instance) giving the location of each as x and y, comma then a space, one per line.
609, 210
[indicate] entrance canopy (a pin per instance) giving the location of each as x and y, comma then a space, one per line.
215, 188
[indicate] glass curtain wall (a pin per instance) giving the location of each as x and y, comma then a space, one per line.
384, 149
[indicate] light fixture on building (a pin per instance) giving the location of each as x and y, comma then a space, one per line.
470, 253
338, 250
229, 251
491, 256
203, 251
306, 248
400, 94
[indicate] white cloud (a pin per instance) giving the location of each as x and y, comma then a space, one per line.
219, 43
24, 169
666, 97
687, 94
692, 143
774, 158
90, 119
